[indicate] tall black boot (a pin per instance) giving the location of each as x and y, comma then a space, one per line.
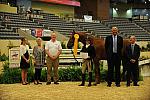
90, 78
83, 80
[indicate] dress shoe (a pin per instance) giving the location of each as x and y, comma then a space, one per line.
48, 83
38, 82
136, 85
24, 83
56, 83
81, 84
27, 82
118, 85
95, 84
35, 82
89, 85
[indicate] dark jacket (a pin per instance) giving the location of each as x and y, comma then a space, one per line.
90, 50
135, 55
109, 46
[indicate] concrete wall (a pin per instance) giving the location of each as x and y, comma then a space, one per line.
99, 9
4, 45
60, 10
7, 8
103, 9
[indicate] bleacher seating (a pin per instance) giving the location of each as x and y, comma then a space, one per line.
99, 28
144, 24
127, 28
8, 33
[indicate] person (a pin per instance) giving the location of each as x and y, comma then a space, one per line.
39, 60
133, 54
53, 49
113, 47
25, 59
87, 61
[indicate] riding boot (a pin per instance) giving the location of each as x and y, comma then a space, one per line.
83, 80
90, 78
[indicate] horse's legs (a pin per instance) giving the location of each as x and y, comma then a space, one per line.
97, 71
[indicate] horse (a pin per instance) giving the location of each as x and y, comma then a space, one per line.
99, 44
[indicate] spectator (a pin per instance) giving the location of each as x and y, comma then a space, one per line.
39, 60
113, 47
133, 54
53, 50
25, 59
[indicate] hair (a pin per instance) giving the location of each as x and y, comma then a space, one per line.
38, 39
22, 39
132, 36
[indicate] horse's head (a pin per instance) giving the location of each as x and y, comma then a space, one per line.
82, 38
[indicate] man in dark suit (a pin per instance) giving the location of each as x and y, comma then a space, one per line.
113, 47
133, 54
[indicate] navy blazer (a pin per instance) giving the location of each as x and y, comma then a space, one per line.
136, 53
90, 50
109, 46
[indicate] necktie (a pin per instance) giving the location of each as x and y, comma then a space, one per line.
132, 48
115, 44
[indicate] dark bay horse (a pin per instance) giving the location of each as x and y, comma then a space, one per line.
99, 44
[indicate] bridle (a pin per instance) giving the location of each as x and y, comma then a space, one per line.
74, 55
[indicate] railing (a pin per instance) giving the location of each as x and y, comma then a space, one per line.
143, 62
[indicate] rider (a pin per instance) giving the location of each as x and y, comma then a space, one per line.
88, 54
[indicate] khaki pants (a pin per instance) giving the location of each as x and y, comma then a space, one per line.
86, 64
52, 63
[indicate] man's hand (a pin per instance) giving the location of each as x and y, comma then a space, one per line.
34, 62
132, 60
54, 57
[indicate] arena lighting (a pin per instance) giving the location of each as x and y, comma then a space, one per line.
64, 2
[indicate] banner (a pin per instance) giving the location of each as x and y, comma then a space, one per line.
14, 58
87, 18
33, 32
46, 33
65, 2
39, 32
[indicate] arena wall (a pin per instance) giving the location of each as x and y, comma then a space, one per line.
60, 10
7, 8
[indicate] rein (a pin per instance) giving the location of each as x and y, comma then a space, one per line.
74, 57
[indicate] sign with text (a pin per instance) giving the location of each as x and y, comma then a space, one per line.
14, 58
87, 18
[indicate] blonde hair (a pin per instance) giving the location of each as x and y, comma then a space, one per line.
38, 39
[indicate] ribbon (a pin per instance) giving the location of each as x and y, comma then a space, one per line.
76, 36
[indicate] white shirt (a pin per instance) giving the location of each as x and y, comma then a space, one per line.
23, 49
53, 47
